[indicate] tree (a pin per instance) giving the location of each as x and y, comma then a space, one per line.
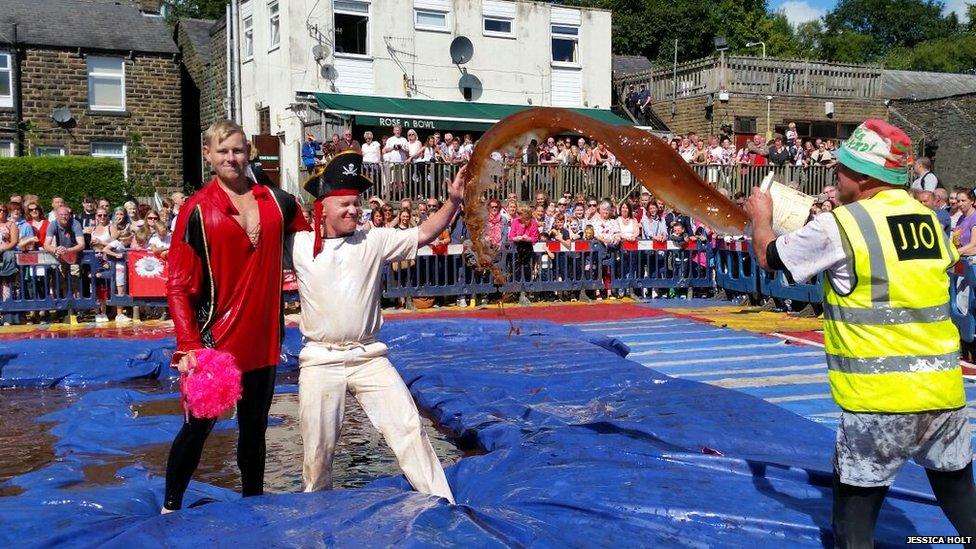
199, 9
866, 30
950, 54
809, 39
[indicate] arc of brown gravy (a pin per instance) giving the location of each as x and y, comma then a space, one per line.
651, 160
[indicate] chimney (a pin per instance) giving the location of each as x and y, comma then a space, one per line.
148, 6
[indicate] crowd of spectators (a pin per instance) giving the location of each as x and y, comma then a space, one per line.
604, 223
782, 150
65, 231
448, 149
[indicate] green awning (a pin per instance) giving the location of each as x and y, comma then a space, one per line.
426, 114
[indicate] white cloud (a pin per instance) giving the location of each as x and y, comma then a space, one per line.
958, 6
800, 11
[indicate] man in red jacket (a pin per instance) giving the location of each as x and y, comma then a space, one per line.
224, 287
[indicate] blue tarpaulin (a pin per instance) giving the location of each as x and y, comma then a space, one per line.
583, 448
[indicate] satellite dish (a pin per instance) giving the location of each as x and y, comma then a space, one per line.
329, 72
62, 117
320, 52
470, 87
461, 50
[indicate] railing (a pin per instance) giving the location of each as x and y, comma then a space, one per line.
44, 284
743, 177
394, 181
757, 75
552, 267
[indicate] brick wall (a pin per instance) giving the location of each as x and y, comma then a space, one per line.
213, 93
54, 78
949, 124
690, 112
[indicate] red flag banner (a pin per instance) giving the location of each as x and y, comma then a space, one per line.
147, 274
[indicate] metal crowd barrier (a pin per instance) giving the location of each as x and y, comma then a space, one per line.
736, 270
42, 282
743, 177
396, 181
553, 267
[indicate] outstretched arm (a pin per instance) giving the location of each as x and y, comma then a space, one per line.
759, 206
435, 224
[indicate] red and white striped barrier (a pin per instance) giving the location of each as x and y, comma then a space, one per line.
734, 245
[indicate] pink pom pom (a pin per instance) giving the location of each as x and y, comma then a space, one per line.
214, 385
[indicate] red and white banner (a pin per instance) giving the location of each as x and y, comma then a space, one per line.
147, 274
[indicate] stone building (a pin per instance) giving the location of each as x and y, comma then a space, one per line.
92, 78
749, 95
939, 112
203, 45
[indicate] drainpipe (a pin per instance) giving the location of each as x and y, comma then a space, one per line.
229, 84
236, 44
18, 96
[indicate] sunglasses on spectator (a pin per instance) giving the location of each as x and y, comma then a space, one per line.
33, 209
593, 204
152, 218
101, 215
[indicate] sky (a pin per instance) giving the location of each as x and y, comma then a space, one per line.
801, 11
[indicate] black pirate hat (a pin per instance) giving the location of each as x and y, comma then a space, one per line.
342, 176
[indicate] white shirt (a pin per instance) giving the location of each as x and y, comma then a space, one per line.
815, 248
414, 148
371, 152
156, 242
396, 156
340, 289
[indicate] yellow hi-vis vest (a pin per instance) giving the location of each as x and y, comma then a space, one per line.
891, 345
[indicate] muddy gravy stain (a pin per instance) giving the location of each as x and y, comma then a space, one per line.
650, 159
362, 455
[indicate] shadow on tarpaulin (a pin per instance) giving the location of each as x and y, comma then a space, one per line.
585, 448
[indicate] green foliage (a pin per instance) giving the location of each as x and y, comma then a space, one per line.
68, 176
198, 9
866, 30
910, 34
950, 54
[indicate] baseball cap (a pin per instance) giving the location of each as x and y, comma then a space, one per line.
879, 150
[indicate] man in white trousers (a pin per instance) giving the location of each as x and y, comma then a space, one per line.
339, 269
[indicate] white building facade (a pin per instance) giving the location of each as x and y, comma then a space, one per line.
524, 54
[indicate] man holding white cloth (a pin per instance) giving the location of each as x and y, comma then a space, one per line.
339, 270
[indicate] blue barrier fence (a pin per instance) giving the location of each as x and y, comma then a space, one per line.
44, 284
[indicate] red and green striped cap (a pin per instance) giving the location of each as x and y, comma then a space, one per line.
879, 150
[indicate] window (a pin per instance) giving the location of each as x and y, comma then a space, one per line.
745, 125
274, 30
6, 81
564, 44
49, 150
106, 83
7, 148
496, 26
110, 149
264, 121
351, 26
248, 44
430, 20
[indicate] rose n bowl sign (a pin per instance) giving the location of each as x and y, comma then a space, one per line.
147, 274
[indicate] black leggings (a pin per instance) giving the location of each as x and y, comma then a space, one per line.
252, 422
856, 508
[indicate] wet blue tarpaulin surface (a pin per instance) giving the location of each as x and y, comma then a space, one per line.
584, 448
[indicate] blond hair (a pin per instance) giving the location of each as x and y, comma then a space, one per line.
221, 130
